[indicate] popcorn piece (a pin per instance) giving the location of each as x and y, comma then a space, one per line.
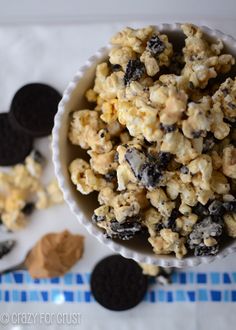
184, 224
219, 183
136, 39
91, 95
54, 193
22, 179
216, 160
124, 176
230, 223
152, 218
159, 200
201, 170
121, 56
229, 162
102, 163
102, 72
87, 131
125, 205
84, 178
157, 54
140, 119
203, 60
199, 120
15, 201
151, 64
175, 105
150, 270
180, 146
84, 125
109, 111
14, 220
42, 199
225, 98
219, 127
106, 196
168, 242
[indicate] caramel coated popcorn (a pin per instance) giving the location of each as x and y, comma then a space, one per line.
160, 135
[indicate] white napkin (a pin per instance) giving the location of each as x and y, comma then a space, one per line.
200, 298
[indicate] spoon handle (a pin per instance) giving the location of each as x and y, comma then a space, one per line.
20, 266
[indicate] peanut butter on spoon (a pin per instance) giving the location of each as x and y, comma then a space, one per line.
54, 254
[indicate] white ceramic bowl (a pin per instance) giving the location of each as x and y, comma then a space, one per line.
63, 153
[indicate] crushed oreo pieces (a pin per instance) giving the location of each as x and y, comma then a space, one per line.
168, 128
204, 229
150, 175
230, 206
171, 224
97, 218
184, 169
110, 176
28, 208
164, 276
208, 142
134, 71
147, 168
116, 67
125, 230
155, 45
204, 251
6, 247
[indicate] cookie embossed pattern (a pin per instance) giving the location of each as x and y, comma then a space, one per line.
64, 153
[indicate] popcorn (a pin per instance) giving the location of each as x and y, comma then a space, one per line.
109, 111
203, 60
185, 224
230, 223
229, 162
140, 119
167, 242
160, 201
175, 105
84, 126
15, 201
102, 163
199, 120
136, 39
125, 205
14, 220
124, 176
219, 127
219, 183
152, 218
84, 178
54, 193
225, 98
180, 146
121, 56
21, 190
201, 171
160, 141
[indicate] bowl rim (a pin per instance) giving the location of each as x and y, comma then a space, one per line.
159, 260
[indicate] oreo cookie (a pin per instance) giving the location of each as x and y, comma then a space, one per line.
14, 144
118, 283
33, 109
